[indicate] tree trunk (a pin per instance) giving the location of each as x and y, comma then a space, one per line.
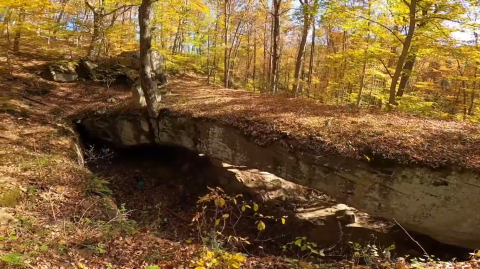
247, 70
96, 41
226, 64
364, 67
403, 55
18, 31
60, 16
307, 21
475, 74
312, 54
410, 62
275, 48
300, 58
149, 85
254, 72
407, 71
265, 63
7, 27
208, 58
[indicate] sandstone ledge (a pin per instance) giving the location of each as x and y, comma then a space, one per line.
438, 202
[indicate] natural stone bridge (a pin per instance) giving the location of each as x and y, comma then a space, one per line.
441, 203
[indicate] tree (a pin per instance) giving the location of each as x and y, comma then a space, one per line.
148, 82
309, 9
100, 13
412, 7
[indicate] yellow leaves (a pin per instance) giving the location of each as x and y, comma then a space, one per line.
80, 265
222, 259
255, 207
244, 207
234, 261
217, 222
220, 202
261, 226
283, 221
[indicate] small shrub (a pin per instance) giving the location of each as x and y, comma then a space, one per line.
98, 185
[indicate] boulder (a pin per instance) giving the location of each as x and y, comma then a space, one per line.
138, 96
85, 69
131, 59
60, 72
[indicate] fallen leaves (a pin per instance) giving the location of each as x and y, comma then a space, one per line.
300, 123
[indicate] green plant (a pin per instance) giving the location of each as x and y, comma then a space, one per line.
369, 253
98, 185
153, 267
302, 248
98, 248
220, 212
13, 258
11, 236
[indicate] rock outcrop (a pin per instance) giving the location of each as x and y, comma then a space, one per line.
122, 69
441, 203
60, 71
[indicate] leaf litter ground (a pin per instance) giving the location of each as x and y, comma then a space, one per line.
56, 223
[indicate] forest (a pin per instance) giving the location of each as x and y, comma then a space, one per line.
420, 56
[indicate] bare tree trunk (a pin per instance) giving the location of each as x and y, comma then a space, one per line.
405, 48
149, 85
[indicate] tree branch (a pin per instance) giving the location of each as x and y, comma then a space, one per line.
384, 27
124, 6
386, 68
89, 6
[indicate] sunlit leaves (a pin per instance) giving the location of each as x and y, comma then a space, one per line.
261, 226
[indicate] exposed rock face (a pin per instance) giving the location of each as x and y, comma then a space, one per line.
60, 72
410, 195
138, 96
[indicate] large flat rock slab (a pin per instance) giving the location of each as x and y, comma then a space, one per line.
441, 203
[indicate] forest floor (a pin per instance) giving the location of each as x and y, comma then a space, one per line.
56, 213
329, 129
